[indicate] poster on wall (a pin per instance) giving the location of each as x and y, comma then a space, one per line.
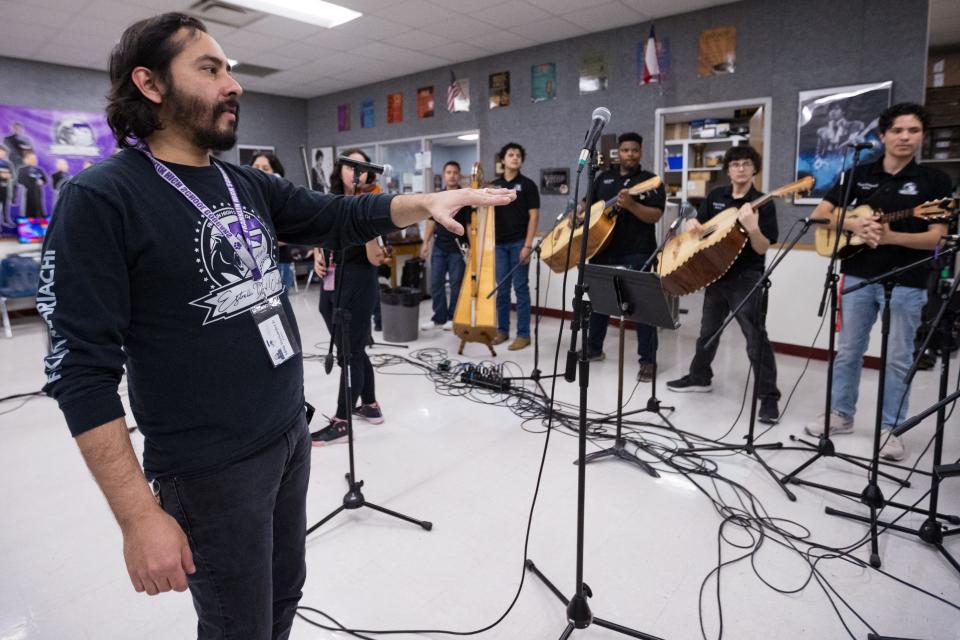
555, 181
246, 152
593, 72
829, 119
718, 51
499, 89
395, 107
425, 103
321, 166
543, 82
39, 151
343, 117
367, 120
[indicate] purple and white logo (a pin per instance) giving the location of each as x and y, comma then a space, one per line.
232, 287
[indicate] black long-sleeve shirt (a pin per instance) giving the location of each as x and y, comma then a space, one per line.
133, 276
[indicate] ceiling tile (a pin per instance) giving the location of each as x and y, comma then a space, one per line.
283, 28
418, 40
252, 41
470, 6
14, 47
607, 16
27, 14
303, 51
500, 41
558, 7
380, 51
36, 32
220, 31
273, 60
330, 65
118, 13
549, 30
459, 52
416, 13
334, 39
372, 27
511, 14
84, 41
461, 27
366, 6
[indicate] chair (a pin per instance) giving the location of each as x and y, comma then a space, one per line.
19, 277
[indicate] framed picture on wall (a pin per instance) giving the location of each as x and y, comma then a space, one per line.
321, 166
830, 119
247, 151
555, 181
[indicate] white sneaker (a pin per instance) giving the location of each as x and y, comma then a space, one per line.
838, 425
429, 325
891, 447
448, 325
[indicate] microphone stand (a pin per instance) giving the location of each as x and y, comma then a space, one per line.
872, 496
354, 498
579, 615
763, 284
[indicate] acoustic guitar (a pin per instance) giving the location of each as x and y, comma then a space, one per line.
603, 217
691, 260
475, 315
850, 243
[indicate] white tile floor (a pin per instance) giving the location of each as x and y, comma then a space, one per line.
471, 469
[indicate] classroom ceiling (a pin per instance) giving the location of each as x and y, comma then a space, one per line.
393, 38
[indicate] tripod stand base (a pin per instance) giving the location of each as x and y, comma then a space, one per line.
579, 615
354, 499
619, 451
751, 449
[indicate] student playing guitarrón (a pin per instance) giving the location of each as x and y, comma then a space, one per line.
740, 164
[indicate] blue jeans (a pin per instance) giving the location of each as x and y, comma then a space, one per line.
286, 274
859, 312
441, 264
646, 335
246, 522
507, 257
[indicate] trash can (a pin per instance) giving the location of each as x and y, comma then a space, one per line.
401, 313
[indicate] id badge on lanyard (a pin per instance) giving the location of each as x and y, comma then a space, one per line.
269, 315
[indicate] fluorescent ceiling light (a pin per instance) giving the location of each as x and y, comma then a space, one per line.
469, 136
232, 62
323, 14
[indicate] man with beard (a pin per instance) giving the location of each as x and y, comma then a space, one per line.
214, 372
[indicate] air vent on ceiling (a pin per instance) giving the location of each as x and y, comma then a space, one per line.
253, 70
224, 13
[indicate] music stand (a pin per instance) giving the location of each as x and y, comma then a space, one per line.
631, 295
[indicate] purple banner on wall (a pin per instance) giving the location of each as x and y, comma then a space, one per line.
41, 149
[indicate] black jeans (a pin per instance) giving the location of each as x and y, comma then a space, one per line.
646, 335
358, 293
719, 300
246, 522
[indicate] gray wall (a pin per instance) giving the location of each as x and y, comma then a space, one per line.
264, 119
783, 47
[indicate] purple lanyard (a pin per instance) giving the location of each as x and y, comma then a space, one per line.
242, 244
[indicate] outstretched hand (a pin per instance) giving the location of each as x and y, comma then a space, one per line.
445, 204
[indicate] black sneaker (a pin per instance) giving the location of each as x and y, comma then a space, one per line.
687, 385
596, 356
647, 369
769, 411
333, 433
369, 412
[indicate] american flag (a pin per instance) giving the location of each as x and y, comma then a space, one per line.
452, 92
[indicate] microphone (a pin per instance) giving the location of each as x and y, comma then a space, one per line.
365, 167
601, 116
861, 146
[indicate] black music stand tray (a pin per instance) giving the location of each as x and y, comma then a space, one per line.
631, 295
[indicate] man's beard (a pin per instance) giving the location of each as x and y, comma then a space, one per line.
191, 114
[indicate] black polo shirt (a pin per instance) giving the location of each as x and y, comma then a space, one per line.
913, 185
447, 241
722, 198
512, 219
631, 235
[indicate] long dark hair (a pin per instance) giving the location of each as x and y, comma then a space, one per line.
272, 160
148, 43
336, 182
